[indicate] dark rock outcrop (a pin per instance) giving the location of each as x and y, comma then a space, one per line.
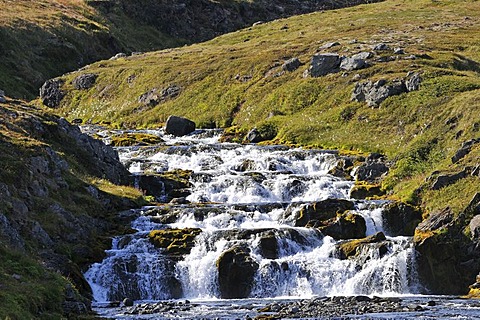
254, 136
176, 242
442, 181
352, 248
179, 126
373, 169
401, 219
51, 93
236, 271
345, 226
464, 149
291, 65
84, 81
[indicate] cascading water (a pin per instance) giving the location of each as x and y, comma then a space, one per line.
249, 197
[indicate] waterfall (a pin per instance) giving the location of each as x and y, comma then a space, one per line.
249, 198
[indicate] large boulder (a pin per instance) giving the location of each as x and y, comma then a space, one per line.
291, 65
313, 213
176, 242
373, 169
442, 181
51, 93
374, 93
345, 226
84, 81
401, 219
352, 248
236, 272
179, 126
323, 64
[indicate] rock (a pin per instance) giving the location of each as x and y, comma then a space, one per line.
329, 45
236, 271
474, 226
374, 93
351, 248
254, 136
269, 246
154, 97
2, 97
345, 226
381, 47
118, 56
464, 149
401, 219
413, 81
323, 64
314, 213
51, 93
245, 165
351, 63
398, 51
291, 65
127, 302
84, 81
177, 242
362, 190
179, 126
372, 170
442, 181
364, 55
436, 220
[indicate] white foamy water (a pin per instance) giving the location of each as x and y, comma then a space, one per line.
246, 193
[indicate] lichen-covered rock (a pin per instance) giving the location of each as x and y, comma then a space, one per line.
374, 93
362, 190
84, 81
51, 93
353, 63
236, 272
413, 81
323, 64
179, 126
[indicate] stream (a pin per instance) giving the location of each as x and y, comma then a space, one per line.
249, 247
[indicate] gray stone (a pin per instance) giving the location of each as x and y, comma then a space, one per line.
401, 219
179, 126
118, 56
363, 55
436, 220
398, 51
51, 93
374, 93
254, 136
2, 97
291, 64
84, 81
371, 171
445, 180
464, 149
329, 45
474, 226
323, 64
351, 63
9, 234
413, 81
381, 47
155, 96
127, 302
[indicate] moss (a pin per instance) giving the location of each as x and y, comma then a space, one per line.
175, 241
131, 139
365, 190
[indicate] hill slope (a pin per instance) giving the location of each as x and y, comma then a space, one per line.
43, 39
416, 86
60, 192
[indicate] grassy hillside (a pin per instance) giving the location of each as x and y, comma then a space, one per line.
236, 80
58, 209
44, 39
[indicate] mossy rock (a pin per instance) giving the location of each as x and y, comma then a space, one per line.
345, 226
365, 190
177, 242
313, 214
351, 248
133, 139
474, 293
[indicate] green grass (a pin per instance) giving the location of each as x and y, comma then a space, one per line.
229, 81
